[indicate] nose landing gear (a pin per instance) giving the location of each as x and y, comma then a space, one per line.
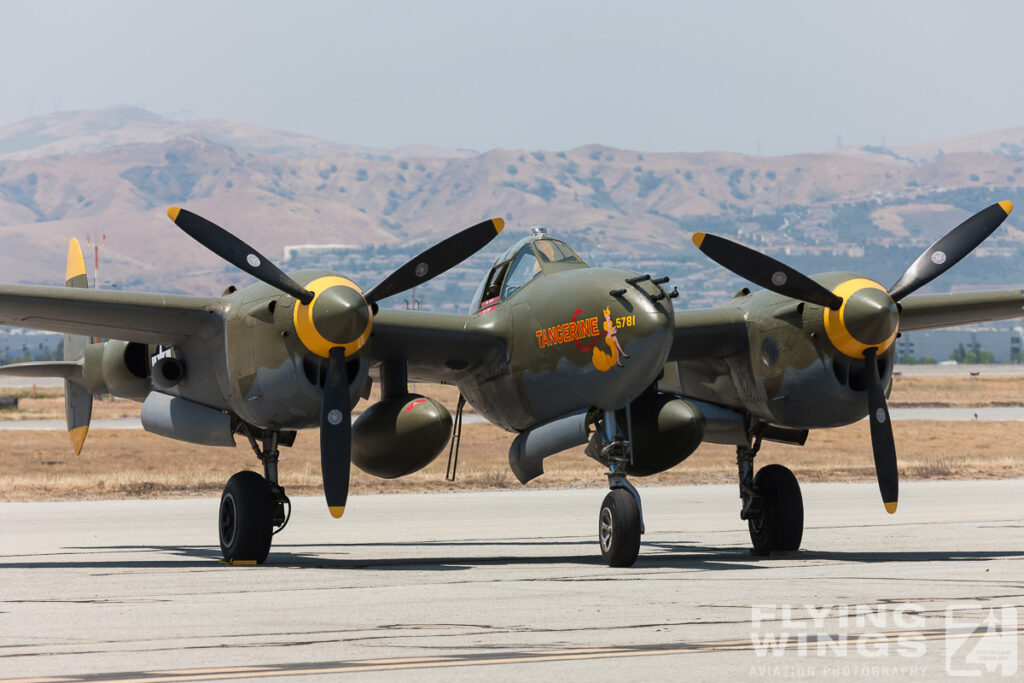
620, 521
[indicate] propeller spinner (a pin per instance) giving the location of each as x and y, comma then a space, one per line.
862, 317
333, 320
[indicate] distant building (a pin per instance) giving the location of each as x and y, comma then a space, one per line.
292, 251
1002, 341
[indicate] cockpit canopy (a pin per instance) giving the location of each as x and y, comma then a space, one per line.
525, 260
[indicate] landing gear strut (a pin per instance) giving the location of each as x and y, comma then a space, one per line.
253, 508
620, 522
772, 504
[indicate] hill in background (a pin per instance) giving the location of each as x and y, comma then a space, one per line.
113, 172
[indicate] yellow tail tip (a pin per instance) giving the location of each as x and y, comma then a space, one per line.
76, 264
698, 239
499, 224
1006, 205
336, 510
78, 438
891, 507
172, 213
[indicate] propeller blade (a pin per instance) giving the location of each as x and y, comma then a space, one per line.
881, 436
950, 248
765, 271
236, 252
436, 260
336, 434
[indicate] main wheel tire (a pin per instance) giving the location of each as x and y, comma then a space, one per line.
618, 529
246, 518
781, 523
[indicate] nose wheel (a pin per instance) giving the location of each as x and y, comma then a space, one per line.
619, 528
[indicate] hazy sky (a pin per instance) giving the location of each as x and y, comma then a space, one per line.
653, 76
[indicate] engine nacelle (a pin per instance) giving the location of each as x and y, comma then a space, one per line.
400, 435
666, 430
118, 367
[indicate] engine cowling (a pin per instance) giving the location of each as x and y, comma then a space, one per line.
666, 430
400, 435
118, 367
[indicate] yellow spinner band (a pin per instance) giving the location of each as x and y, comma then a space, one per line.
305, 328
835, 321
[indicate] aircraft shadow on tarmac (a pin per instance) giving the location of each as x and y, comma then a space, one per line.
666, 555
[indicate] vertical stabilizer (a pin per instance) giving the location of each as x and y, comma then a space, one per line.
77, 399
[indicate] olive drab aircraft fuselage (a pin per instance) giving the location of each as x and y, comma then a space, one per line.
557, 352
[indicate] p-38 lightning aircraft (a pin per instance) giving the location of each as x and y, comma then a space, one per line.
558, 352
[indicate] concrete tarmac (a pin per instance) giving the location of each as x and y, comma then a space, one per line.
510, 585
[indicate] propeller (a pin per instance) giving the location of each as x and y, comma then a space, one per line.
334, 321
436, 260
950, 248
863, 317
336, 434
236, 252
763, 270
882, 443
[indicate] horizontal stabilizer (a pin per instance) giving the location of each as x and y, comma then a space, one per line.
70, 370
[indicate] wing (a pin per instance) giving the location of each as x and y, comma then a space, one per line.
143, 318
708, 333
929, 311
438, 347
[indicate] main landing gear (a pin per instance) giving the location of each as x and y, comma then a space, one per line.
772, 504
620, 522
253, 508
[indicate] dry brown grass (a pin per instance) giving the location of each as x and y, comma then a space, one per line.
48, 404
957, 391
129, 463
126, 463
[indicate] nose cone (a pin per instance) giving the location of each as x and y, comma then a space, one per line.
871, 316
338, 316
341, 315
868, 318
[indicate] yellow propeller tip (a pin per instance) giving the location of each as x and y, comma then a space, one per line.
499, 224
1006, 205
336, 510
698, 239
891, 507
78, 438
172, 213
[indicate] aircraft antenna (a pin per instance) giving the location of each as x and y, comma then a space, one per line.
96, 258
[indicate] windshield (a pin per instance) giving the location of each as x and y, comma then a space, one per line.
553, 251
522, 262
491, 288
524, 268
